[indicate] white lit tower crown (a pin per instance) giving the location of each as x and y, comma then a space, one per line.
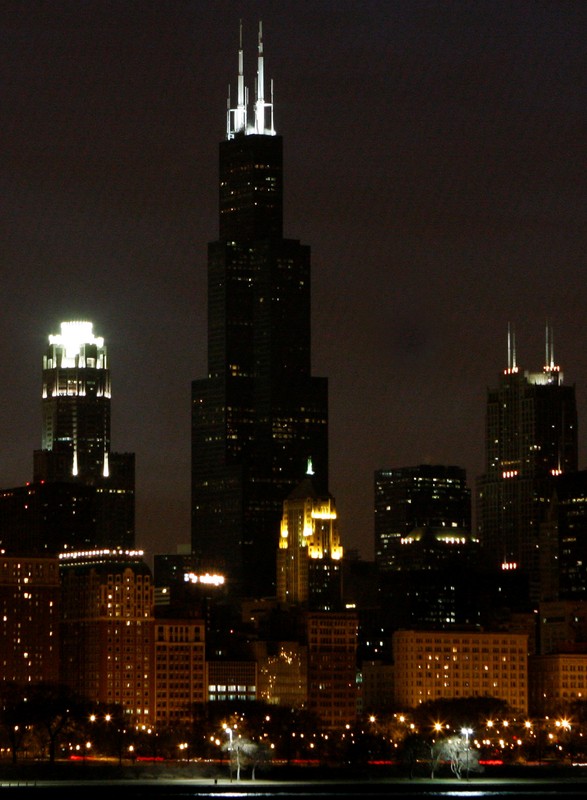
75, 406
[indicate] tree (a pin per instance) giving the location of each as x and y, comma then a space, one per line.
15, 717
462, 757
54, 709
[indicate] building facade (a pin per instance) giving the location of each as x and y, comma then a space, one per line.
435, 665
309, 558
423, 496
179, 678
259, 415
30, 595
107, 629
557, 680
333, 693
82, 495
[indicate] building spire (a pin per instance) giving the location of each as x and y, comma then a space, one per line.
549, 363
237, 118
512, 364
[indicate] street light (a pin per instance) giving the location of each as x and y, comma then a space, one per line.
228, 730
466, 733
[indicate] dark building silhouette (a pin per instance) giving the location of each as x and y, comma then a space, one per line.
563, 540
47, 518
259, 415
531, 437
424, 496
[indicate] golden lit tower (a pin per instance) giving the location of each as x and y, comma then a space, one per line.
309, 558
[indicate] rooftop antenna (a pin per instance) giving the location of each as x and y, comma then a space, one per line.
237, 117
549, 346
260, 104
512, 365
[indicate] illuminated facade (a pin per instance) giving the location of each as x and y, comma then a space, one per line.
309, 558
76, 448
259, 415
530, 438
29, 620
179, 669
107, 630
556, 681
434, 665
332, 667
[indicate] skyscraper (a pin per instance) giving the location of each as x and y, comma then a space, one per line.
530, 438
76, 401
423, 496
259, 417
309, 559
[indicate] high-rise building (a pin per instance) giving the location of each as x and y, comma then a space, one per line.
29, 620
309, 558
563, 540
76, 446
441, 665
107, 630
530, 438
423, 496
259, 415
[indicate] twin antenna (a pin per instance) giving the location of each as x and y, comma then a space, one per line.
237, 118
549, 363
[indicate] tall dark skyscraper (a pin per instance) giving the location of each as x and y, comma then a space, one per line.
259, 417
530, 439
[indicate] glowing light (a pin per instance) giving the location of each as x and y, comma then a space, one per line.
210, 580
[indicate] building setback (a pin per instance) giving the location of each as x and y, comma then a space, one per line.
259, 415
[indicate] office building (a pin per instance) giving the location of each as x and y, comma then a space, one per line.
437, 665
259, 415
423, 496
82, 495
179, 664
530, 437
76, 446
309, 558
332, 667
29, 620
44, 519
563, 540
557, 680
107, 630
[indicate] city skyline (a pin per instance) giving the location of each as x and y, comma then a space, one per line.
433, 165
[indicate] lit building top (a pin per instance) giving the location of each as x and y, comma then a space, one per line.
237, 118
69, 346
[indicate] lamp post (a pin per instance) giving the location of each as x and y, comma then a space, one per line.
228, 730
466, 733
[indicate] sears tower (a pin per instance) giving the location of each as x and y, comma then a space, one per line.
259, 419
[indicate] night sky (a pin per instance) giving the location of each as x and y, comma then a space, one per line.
435, 162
